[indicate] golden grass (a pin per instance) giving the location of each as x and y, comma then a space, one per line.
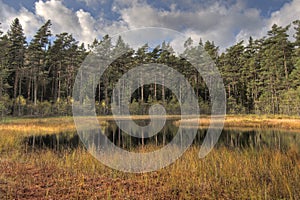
223, 174
60, 124
75, 174
247, 121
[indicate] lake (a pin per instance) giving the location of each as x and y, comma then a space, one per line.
242, 138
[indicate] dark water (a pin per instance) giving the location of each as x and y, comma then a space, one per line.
241, 139
58, 142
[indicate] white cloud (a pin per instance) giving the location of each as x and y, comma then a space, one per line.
87, 25
81, 24
223, 23
283, 17
288, 13
216, 22
92, 2
29, 21
63, 19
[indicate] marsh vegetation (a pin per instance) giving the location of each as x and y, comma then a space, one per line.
44, 159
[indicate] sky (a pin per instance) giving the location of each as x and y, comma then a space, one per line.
224, 22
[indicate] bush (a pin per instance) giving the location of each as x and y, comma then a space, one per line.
233, 107
44, 108
290, 102
5, 105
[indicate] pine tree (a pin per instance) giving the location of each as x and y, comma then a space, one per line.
61, 66
297, 34
3, 64
37, 51
103, 50
212, 50
231, 64
294, 78
142, 58
277, 65
16, 57
123, 53
251, 73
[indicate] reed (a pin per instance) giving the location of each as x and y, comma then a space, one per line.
75, 174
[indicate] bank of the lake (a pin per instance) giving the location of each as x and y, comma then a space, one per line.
55, 124
228, 172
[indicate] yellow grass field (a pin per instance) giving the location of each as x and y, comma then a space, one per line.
75, 174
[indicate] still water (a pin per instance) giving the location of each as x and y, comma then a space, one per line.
230, 138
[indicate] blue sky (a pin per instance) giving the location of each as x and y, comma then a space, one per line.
225, 22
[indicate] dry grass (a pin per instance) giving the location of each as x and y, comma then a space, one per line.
224, 174
248, 121
75, 174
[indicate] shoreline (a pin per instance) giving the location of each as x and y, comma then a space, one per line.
281, 122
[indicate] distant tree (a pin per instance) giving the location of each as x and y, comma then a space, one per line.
251, 74
16, 58
37, 51
277, 64
297, 34
121, 65
3, 63
104, 50
141, 58
63, 65
294, 78
231, 64
212, 50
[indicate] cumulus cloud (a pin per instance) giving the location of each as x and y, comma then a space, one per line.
283, 17
288, 13
63, 19
223, 23
92, 2
89, 2
216, 22
80, 23
28, 19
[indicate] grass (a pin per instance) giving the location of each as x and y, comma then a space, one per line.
249, 121
75, 174
223, 174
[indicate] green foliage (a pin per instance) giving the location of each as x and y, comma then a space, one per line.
173, 107
233, 107
259, 77
44, 108
15, 59
5, 105
134, 107
290, 102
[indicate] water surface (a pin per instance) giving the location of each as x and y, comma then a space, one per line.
230, 138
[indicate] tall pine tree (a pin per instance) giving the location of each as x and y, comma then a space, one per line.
16, 58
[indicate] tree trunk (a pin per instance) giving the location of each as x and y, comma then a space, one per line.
59, 86
163, 89
35, 89
1, 88
19, 99
29, 89
155, 89
119, 137
285, 67
106, 95
180, 94
15, 91
142, 90
99, 92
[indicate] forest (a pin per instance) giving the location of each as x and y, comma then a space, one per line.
261, 76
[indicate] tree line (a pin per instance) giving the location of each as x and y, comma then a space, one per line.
37, 74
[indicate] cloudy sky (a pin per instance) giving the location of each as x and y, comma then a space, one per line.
224, 22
